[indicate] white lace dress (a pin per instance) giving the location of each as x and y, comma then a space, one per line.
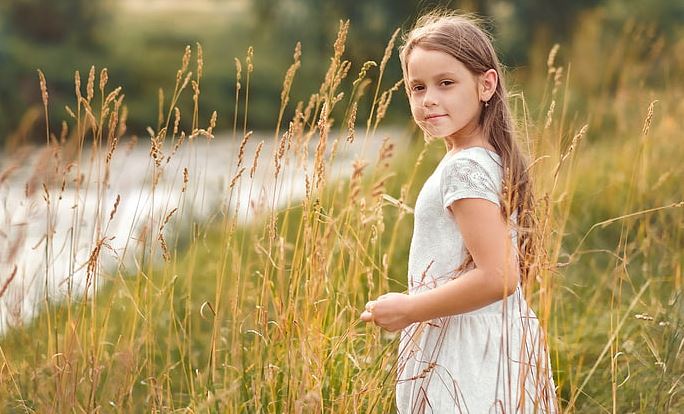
492, 360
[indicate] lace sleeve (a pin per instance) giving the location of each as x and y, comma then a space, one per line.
466, 178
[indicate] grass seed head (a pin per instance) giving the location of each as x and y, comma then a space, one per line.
249, 59
77, 85
385, 100
351, 123
243, 145
550, 61
388, 51
104, 78
256, 159
549, 114
176, 120
43, 88
184, 63
280, 153
290, 74
338, 50
200, 61
69, 111
212, 123
186, 178
238, 74
90, 92
363, 72
63, 133
235, 178
649, 118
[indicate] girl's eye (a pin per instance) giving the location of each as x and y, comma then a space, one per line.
417, 88
446, 82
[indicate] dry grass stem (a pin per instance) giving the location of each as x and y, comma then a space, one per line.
383, 63
7, 283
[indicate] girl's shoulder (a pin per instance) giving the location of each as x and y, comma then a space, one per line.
485, 158
473, 172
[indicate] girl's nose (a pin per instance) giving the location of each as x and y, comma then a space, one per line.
429, 99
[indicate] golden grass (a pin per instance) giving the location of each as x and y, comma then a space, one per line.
264, 318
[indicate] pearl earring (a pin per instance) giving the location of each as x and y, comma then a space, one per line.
486, 104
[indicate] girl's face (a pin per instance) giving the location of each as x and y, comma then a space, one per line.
443, 93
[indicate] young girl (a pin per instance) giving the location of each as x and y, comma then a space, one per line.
470, 343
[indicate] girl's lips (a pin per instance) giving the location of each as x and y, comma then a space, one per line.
429, 117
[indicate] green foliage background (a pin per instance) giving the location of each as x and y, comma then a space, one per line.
140, 45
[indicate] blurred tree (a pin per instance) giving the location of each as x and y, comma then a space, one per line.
50, 21
60, 36
372, 21
519, 25
53, 35
314, 23
666, 15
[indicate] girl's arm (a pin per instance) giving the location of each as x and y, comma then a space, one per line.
495, 276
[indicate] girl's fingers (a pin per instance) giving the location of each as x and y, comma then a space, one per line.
370, 305
366, 316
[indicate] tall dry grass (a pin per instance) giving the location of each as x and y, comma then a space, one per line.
215, 316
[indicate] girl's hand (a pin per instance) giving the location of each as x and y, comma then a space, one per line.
391, 311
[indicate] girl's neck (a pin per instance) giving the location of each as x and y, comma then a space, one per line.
461, 140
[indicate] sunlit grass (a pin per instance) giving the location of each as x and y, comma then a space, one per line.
216, 316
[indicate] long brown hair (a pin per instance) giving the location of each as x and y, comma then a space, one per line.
462, 37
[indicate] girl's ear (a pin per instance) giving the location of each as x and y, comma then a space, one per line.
488, 82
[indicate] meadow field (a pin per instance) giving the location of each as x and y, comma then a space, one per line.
215, 313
